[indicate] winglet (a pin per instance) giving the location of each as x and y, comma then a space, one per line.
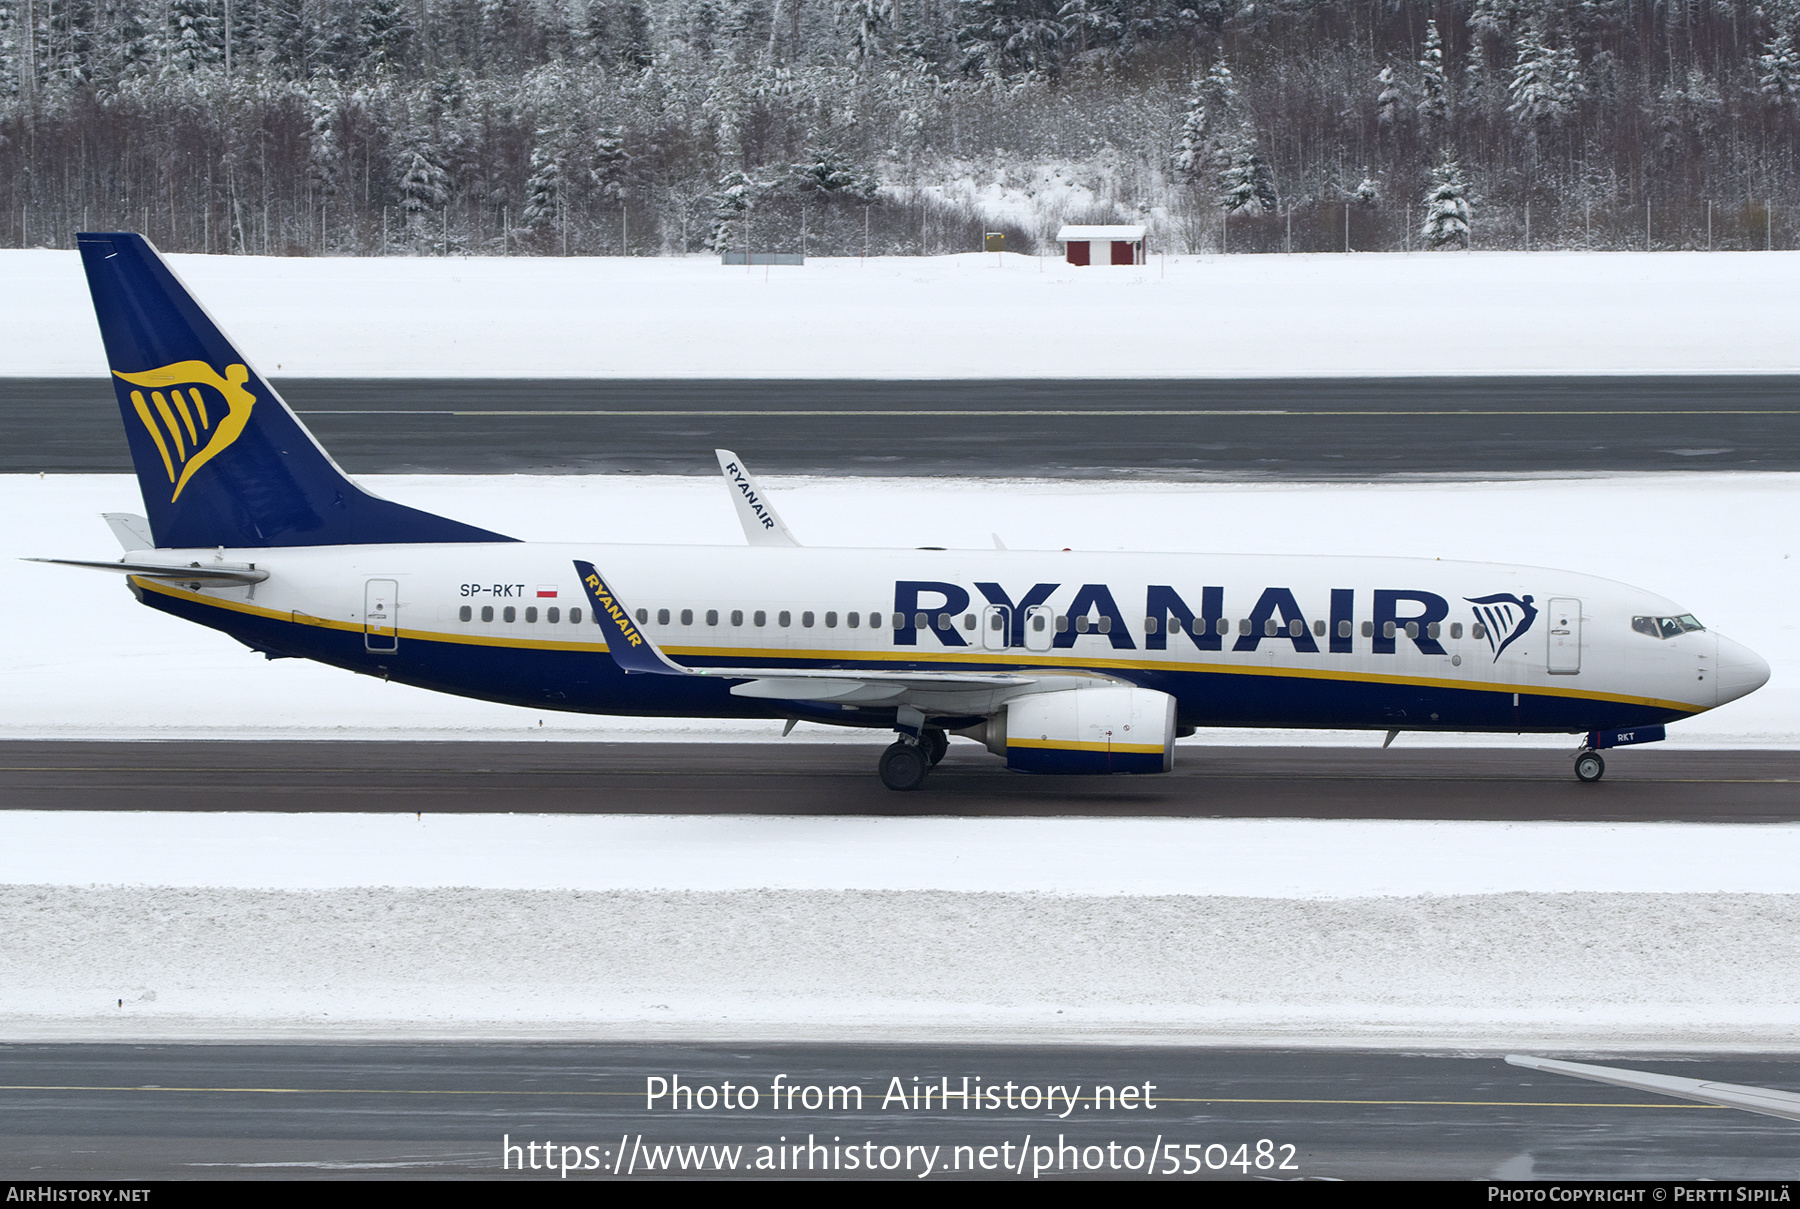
629, 646
762, 527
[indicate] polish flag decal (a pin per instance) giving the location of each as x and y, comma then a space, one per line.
546, 590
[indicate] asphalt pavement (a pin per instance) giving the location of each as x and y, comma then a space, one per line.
286, 1112
790, 776
1156, 429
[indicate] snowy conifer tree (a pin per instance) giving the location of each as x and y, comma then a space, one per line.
870, 23
1546, 81
1245, 183
610, 165
1779, 79
731, 201
1446, 207
1434, 85
191, 38
1389, 97
424, 187
381, 33
547, 192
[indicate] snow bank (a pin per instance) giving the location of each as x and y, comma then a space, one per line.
98, 665
971, 315
1262, 858
1632, 971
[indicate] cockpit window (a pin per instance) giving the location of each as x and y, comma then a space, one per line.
1666, 627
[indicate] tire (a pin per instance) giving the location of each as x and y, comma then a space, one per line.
935, 743
903, 766
1589, 767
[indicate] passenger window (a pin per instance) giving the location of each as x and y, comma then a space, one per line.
575, 617
531, 615
1150, 625
737, 617
1224, 625
552, 615
1037, 622
509, 615
687, 617
1081, 625
1106, 625
784, 619
899, 620
831, 620
1296, 628
712, 617
1318, 629
921, 622
1062, 624
1478, 630
1387, 629
968, 621
1343, 629
1412, 629
851, 619
487, 612
466, 613
662, 617
643, 616
1369, 629
759, 619
1243, 625
1433, 630
1456, 629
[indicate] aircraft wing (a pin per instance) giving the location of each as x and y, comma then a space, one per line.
633, 651
1765, 1100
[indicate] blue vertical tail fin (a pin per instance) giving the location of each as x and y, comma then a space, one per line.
221, 459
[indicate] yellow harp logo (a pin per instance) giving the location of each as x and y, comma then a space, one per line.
188, 431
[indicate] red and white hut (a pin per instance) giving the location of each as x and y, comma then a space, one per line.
1102, 245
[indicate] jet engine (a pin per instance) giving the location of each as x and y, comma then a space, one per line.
1086, 730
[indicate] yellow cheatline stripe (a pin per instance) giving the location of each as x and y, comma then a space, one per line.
974, 413
973, 660
1076, 745
459, 1091
143, 410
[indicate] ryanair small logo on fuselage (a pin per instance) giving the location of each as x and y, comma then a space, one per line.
189, 428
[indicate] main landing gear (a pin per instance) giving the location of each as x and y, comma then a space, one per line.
1589, 767
905, 764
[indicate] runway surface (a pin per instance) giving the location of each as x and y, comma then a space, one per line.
798, 778
1255, 428
419, 1111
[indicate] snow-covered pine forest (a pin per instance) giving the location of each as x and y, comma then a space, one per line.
309, 127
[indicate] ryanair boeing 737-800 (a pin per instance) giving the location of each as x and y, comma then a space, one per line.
1060, 662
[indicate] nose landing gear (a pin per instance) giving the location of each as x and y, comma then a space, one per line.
1589, 767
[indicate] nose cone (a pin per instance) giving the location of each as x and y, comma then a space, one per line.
1741, 670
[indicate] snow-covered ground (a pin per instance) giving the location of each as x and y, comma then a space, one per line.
1171, 931
972, 315
83, 660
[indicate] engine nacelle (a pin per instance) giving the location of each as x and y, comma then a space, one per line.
1086, 730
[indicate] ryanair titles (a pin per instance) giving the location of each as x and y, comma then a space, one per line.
1391, 616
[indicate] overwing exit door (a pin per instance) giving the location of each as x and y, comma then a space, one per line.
1565, 636
381, 620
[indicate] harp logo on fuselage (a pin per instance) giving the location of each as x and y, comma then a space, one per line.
191, 413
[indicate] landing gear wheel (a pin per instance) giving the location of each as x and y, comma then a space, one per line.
904, 765
1589, 767
935, 743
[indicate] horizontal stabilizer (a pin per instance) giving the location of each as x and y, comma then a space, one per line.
216, 573
1765, 1100
132, 530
